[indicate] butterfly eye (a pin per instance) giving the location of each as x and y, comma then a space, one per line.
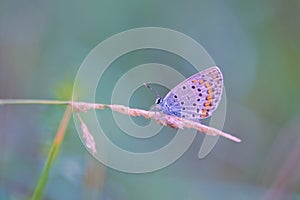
158, 101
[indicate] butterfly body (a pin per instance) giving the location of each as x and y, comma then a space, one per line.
169, 106
196, 97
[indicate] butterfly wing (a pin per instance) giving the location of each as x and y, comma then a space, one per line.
198, 96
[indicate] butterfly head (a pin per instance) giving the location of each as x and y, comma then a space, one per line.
159, 101
158, 106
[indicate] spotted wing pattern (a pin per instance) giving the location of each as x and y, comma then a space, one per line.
196, 97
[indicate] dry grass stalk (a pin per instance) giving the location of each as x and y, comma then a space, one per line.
163, 119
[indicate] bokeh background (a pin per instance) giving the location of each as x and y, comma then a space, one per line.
255, 43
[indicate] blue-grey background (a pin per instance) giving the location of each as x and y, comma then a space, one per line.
255, 43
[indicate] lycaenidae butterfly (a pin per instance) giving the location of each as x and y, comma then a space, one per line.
195, 98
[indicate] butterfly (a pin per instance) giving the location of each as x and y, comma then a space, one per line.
196, 97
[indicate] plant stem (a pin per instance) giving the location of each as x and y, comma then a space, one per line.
55, 145
172, 121
32, 101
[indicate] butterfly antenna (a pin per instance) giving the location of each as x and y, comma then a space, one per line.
152, 90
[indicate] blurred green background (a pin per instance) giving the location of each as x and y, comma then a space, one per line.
255, 43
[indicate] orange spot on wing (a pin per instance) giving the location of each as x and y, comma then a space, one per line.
207, 103
194, 81
201, 81
204, 113
210, 91
209, 97
207, 85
